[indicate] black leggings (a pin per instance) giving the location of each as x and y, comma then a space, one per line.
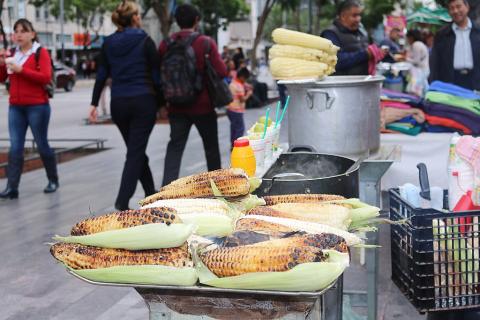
135, 118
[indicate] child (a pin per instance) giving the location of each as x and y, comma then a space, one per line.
236, 108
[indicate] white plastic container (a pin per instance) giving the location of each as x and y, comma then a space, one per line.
269, 144
276, 137
460, 175
258, 146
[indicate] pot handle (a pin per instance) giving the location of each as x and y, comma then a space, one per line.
311, 99
302, 148
306, 189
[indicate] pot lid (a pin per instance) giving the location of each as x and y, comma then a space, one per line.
336, 81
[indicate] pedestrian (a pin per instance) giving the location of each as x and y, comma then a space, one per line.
417, 55
199, 110
236, 108
347, 33
392, 44
84, 67
226, 54
29, 71
455, 56
238, 57
130, 58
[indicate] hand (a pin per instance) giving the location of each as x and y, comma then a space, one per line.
15, 68
3, 55
92, 115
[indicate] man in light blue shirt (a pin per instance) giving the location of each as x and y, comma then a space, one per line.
455, 56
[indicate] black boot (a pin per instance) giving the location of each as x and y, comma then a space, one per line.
9, 193
121, 206
51, 187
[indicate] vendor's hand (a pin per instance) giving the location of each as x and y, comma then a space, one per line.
92, 115
15, 68
3, 55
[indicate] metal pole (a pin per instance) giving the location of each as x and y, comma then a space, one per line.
310, 16
62, 36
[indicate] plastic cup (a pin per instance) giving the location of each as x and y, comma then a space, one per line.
269, 144
258, 146
276, 138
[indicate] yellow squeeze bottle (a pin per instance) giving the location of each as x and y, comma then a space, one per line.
243, 157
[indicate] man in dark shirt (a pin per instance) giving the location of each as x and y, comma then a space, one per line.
455, 56
202, 113
346, 33
392, 43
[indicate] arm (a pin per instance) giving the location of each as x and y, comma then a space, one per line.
346, 59
217, 61
43, 74
103, 72
153, 62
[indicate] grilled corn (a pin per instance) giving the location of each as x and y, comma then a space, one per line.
187, 206
225, 262
230, 182
125, 219
261, 226
300, 198
324, 241
78, 256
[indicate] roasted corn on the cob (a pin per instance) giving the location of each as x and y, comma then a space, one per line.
187, 206
225, 262
300, 198
324, 241
232, 182
125, 219
261, 226
78, 256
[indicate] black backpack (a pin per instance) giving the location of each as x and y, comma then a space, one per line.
50, 87
181, 80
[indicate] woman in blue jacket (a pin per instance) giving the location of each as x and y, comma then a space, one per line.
130, 58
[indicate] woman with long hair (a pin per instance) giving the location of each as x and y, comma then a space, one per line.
130, 59
29, 70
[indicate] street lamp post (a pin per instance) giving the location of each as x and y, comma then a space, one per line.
62, 36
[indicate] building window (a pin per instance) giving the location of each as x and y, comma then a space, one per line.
46, 13
45, 39
67, 38
38, 14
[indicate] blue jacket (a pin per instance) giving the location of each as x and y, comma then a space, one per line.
130, 58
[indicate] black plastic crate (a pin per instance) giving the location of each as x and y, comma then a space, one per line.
435, 256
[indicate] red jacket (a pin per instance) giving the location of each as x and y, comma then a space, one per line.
203, 104
27, 88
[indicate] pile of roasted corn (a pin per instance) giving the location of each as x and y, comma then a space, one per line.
272, 243
298, 55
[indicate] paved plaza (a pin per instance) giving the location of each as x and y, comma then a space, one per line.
33, 286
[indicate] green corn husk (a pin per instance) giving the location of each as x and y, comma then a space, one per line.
209, 224
312, 276
147, 236
143, 274
254, 183
246, 203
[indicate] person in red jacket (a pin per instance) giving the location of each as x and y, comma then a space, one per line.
202, 112
29, 106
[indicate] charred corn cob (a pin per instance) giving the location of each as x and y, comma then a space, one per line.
78, 256
296, 52
322, 241
291, 69
300, 198
244, 237
225, 262
261, 226
295, 38
230, 183
125, 219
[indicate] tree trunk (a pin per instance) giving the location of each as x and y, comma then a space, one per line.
161, 10
258, 35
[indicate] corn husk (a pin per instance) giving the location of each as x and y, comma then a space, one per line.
145, 274
304, 277
209, 224
148, 236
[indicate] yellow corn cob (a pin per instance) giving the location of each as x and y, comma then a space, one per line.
125, 219
78, 256
322, 241
295, 38
290, 69
260, 226
300, 198
296, 52
230, 182
225, 262
186, 206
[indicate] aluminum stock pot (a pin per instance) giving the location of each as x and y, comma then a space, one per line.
338, 115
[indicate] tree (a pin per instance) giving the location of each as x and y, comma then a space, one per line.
267, 8
218, 14
375, 10
164, 12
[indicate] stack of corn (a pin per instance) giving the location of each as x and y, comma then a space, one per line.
146, 246
298, 55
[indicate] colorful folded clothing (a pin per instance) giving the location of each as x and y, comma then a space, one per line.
465, 117
448, 99
390, 115
405, 97
452, 89
446, 122
438, 129
405, 128
394, 104
408, 120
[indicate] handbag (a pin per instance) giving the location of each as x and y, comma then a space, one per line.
217, 88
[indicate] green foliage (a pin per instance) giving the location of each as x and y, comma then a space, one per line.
218, 14
375, 10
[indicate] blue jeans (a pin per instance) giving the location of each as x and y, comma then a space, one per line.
237, 125
19, 119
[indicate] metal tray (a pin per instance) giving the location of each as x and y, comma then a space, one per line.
206, 289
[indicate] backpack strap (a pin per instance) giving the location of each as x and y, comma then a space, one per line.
37, 55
